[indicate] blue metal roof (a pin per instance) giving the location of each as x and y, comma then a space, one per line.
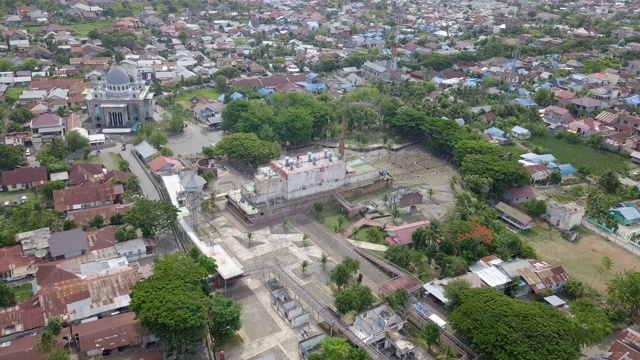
629, 213
494, 131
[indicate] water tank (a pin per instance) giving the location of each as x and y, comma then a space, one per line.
286, 161
309, 155
330, 155
326, 152
314, 159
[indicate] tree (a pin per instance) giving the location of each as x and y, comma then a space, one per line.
285, 222
544, 97
247, 148
623, 292
453, 292
340, 221
249, 236
96, 222
318, 207
453, 181
121, 234
305, 238
504, 173
158, 138
151, 216
20, 115
590, 323
228, 72
335, 348
175, 308
10, 157
609, 182
324, 259
224, 319
54, 325
430, 192
535, 208
342, 273
503, 328
399, 301
75, 141
555, 178
69, 224
116, 219
59, 354
430, 333
132, 184
304, 265
606, 263
294, 125
46, 343
30, 64
7, 297
221, 83
47, 189
356, 297
395, 213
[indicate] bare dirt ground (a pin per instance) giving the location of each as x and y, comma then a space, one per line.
581, 259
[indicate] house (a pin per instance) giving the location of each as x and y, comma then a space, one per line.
489, 273
626, 215
83, 216
404, 198
520, 133
564, 216
528, 103
21, 349
68, 244
538, 172
401, 234
557, 115
554, 277
14, 265
626, 347
145, 151
165, 164
378, 70
436, 288
135, 249
586, 105
518, 195
86, 173
88, 196
566, 170
118, 176
24, 178
514, 217
109, 333
44, 127
586, 127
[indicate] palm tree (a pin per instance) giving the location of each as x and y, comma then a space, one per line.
447, 354
249, 236
303, 265
340, 222
132, 184
430, 192
385, 197
46, 343
285, 222
305, 237
395, 213
324, 259
453, 181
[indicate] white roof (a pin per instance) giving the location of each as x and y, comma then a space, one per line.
59, 176
493, 277
174, 188
438, 320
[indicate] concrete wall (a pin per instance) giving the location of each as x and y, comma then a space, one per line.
565, 216
305, 183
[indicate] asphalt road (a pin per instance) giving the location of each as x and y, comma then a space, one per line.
338, 249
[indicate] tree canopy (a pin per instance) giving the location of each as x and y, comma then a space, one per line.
356, 297
503, 328
75, 141
10, 157
151, 216
225, 317
247, 148
623, 292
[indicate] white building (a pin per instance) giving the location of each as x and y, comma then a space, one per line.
117, 102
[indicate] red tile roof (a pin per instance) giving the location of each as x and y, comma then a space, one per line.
46, 119
160, 162
21, 349
401, 235
85, 173
24, 175
83, 216
11, 257
72, 198
110, 332
116, 174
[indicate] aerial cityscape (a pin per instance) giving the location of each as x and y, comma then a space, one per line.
320, 180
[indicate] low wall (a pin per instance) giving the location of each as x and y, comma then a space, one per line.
306, 204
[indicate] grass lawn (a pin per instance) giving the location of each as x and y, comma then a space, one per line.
15, 195
580, 259
329, 218
580, 155
183, 97
84, 29
22, 292
13, 93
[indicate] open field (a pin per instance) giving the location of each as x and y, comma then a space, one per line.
183, 97
580, 259
579, 155
329, 218
15, 195
22, 292
84, 29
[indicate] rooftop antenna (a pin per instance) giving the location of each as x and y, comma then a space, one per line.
343, 128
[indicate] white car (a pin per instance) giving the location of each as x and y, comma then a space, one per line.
27, 152
24, 199
7, 203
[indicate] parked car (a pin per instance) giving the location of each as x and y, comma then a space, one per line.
24, 199
7, 203
27, 152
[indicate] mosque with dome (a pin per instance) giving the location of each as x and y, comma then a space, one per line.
117, 102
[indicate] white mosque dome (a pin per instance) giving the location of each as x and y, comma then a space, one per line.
117, 76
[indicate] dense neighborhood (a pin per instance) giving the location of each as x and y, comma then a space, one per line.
279, 180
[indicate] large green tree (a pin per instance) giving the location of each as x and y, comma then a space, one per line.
623, 292
504, 172
356, 297
172, 304
503, 328
294, 125
224, 314
590, 323
151, 216
10, 157
247, 148
7, 297
75, 141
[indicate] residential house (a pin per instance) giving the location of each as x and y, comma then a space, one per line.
145, 151
496, 136
86, 173
83, 216
521, 133
401, 234
21, 349
165, 164
68, 244
554, 277
24, 178
109, 333
626, 215
564, 216
586, 105
538, 172
44, 127
377, 70
518, 195
135, 249
514, 217
14, 265
404, 198
88, 196
625, 347
554, 115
